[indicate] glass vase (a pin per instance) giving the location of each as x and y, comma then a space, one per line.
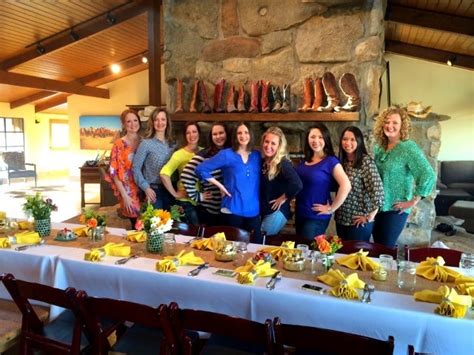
97, 233
43, 227
154, 242
328, 261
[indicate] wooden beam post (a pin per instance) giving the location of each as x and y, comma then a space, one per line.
154, 53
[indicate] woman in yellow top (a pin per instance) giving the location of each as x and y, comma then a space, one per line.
178, 161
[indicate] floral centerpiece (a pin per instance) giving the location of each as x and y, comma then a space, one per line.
327, 246
40, 209
95, 223
156, 222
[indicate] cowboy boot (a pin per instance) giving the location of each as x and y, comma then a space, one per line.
318, 94
306, 96
264, 99
330, 88
194, 98
230, 103
285, 107
219, 96
348, 85
241, 100
179, 96
254, 86
204, 99
276, 94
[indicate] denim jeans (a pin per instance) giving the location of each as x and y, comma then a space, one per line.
310, 228
248, 223
273, 223
355, 233
190, 213
164, 200
388, 226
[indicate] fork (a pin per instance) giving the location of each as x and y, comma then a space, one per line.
124, 260
271, 284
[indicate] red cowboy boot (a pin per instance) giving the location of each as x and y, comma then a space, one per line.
219, 96
264, 99
285, 107
330, 88
254, 86
348, 85
307, 96
230, 107
319, 95
204, 99
179, 96
241, 100
194, 99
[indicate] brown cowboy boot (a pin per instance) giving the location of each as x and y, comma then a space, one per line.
219, 96
179, 96
264, 99
330, 88
204, 99
254, 85
194, 98
241, 100
231, 99
276, 94
306, 96
348, 85
318, 94
285, 107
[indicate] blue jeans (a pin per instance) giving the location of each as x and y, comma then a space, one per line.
310, 228
355, 233
190, 213
388, 226
248, 223
273, 223
164, 200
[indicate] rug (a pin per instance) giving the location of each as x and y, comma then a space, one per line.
21, 193
112, 217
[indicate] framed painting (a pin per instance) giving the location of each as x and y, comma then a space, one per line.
99, 132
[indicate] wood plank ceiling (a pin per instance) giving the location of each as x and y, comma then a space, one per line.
434, 30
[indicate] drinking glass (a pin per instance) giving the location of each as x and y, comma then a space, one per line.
466, 264
315, 257
169, 245
406, 279
241, 250
304, 250
386, 261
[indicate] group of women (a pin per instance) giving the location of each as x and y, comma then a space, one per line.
231, 183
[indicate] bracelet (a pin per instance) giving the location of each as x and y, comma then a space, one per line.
330, 210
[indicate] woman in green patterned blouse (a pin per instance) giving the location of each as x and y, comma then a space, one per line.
406, 174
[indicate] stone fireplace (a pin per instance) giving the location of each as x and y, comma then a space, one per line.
284, 42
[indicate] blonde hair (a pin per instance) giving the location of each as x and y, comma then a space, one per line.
275, 164
405, 128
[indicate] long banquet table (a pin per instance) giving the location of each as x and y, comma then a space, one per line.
390, 313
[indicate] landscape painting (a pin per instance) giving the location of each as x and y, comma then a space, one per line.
99, 132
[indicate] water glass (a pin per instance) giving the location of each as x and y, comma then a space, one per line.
169, 245
304, 250
315, 257
386, 261
406, 279
241, 250
466, 264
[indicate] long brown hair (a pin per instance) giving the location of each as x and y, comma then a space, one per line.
151, 127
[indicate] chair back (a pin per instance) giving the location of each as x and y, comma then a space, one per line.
277, 239
104, 315
14, 160
374, 249
188, 229
318, 340
33, 335
231, 233
239, 329
451, 257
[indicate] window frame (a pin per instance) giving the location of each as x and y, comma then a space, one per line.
53, 121
3, 131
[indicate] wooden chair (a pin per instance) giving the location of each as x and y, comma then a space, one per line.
318, 340
450, 256
151, 332
374, 249
228, 334
63, 335
231, 233
188, 229
17, 168
277, 239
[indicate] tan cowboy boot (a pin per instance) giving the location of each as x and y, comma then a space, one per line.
194, 99
348, 85
319, 95
330, 88
179, 96
306, 96
276, 94
204, 99
285, 107
264, 99
241, 100
254, 85
230, 107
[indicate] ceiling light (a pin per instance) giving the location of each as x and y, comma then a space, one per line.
111, 19
144, 59
40, 49
74, 35
115, 68
451, 60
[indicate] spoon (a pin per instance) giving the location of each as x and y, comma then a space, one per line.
24, 247
197, 270
371, 290
124, 260
364, 295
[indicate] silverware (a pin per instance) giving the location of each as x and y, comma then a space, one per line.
364, 295
276, 277
24, 247
197, 270
124, 260
371, 290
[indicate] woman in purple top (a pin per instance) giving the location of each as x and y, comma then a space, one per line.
318, 172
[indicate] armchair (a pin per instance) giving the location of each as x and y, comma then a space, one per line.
17, 168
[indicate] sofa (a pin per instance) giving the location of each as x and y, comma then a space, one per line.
455, 182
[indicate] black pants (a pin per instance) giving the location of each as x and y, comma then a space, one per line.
251, 224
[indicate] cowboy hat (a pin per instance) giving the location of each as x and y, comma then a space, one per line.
416, 109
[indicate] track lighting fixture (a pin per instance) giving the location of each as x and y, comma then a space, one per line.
111, 19
74, 35
40, 48
144, 59
451, 60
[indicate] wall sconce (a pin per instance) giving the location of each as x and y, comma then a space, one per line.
40, 48
451, 60
74, 35
111, 19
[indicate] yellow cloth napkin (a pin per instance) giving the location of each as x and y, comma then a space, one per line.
136, 236
94, 255
112, 249
450, 304
169, 263
281, 252
27, 237
342, 286
358, 260
434, 269
166, 265
81, 231
249, 272
208, 243
4, 243
24, 225
465, 285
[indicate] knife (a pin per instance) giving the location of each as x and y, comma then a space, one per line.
271, 284
197, 270
124, 260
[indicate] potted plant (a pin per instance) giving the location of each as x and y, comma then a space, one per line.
40, 209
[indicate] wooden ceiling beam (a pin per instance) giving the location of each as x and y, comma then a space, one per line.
54, 101
430, 19
51, 85
434, 55
99, 24
30, 98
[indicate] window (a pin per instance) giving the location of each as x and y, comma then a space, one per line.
12, 135
58, 134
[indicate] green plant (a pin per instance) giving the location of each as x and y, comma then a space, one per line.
92, 218
39, 207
